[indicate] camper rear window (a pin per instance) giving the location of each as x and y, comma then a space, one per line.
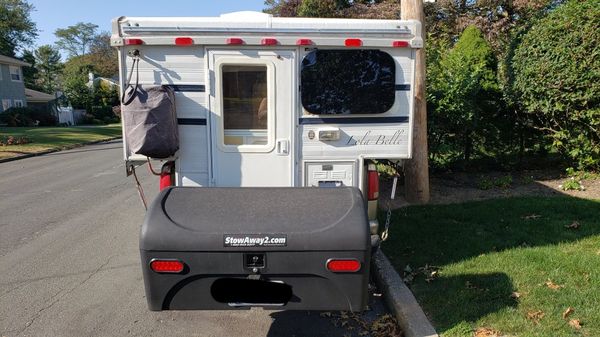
342, 82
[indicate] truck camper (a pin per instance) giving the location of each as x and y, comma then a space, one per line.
269, 139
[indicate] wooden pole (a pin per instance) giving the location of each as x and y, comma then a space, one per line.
416, 170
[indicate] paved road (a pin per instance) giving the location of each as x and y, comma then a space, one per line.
69, 264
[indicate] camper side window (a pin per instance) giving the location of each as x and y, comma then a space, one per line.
245, 104
347, 82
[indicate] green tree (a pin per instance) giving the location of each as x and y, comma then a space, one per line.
30, 74
557, 79
321, 8
16, 28
462, 87
75, 82
76, 39
49, 66
283, 8
103, 57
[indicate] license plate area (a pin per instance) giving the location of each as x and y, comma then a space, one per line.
237, 292
254, 261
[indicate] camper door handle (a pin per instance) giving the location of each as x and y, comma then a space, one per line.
283, 148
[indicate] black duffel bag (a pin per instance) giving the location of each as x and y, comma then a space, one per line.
149, 119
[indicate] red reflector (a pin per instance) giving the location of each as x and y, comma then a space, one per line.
304, 42
343, 266
234, 40
184, 41
268, 41
400, 44
353, 42
166, 175
166, 266
133, 42
373, 187
165, 181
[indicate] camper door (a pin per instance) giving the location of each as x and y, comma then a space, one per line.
251, 117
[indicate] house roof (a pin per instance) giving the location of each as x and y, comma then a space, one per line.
10, 60
33, 96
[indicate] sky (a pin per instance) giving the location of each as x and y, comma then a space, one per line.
50, 15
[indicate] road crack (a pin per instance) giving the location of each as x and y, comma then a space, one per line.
56, 298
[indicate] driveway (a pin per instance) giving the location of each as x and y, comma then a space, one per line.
69, 262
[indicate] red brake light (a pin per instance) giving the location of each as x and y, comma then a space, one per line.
353, 42
304, 42
400, 44
343, 265
166, 266
133, 42
373, 185
184, 41
268, 41
234, 40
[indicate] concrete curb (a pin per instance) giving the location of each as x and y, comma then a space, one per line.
400, 299
29, 155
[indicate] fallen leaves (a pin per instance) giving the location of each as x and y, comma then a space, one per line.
383, 326
531, 217
535, 316
567, 312
553, 285
575, 324
430, 272
386, 326
486, 332
573, 225
515, 295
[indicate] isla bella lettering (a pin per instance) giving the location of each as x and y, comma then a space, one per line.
370, 138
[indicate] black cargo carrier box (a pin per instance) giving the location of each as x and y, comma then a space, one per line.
279, 248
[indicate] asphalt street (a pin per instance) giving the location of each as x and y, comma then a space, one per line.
69, 259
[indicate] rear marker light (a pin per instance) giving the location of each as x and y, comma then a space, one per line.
373, 187
304, 42
400, 44
234, 40
166, 175
343, 265
353, 42
133, 42
166, 266
184, 41
268, 41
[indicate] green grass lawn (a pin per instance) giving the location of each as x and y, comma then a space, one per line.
46, 138
509, 265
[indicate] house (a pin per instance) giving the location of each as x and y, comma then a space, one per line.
37, 99
12, 88
95, 81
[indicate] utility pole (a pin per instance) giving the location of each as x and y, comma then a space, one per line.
416, 170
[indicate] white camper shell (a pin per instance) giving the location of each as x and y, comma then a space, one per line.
278, 102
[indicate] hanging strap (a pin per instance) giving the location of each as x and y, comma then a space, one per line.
130, 91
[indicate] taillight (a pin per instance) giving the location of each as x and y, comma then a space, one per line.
343, 265
166, 266
372, 183
167, 175
353, 42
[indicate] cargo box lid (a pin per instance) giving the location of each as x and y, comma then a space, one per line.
266, 219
